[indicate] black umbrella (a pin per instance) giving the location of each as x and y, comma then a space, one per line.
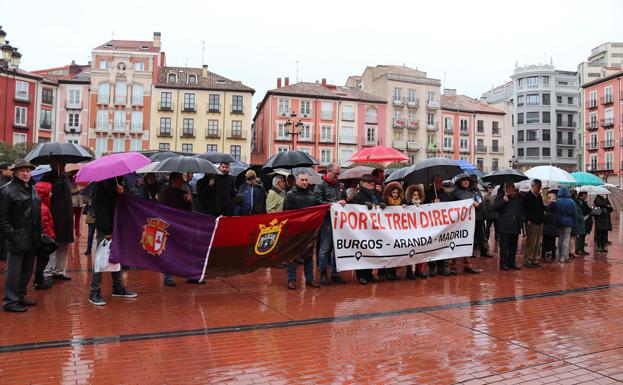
505, 175
160, 156
396, 174
425, 170
66, 151
290, 159
187, 164
216, 157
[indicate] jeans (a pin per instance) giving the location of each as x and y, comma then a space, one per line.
308, 268
326, 248
96, 278
508, 249
90, 236
563, 243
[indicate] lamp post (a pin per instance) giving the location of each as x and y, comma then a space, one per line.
293, 128
512, 162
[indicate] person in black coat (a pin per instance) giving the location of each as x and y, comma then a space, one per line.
586, 212
602, 222
62, 209
368, 196
20, 225
534, 213
206, 195
224, 192
509, 207
434, 194
300, 197
5, 177
551, 229
463, 190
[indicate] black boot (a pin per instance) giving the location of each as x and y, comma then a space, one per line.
410, 274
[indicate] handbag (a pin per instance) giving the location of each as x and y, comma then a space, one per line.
48, 245
597, 211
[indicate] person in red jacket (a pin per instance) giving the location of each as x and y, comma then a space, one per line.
44, 189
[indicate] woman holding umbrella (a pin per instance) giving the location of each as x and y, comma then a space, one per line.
601, 212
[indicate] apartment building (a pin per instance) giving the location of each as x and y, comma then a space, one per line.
413, 110
327, 121
195, 110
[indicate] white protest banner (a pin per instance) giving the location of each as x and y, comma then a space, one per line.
399, 236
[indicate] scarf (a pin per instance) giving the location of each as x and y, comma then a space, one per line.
393, 201
329, 181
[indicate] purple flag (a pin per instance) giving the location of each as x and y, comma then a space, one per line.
160, 238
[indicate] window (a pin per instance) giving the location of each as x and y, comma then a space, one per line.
570, 100
397, 114
281, 131
520, 100
532, 135
559, 99
593, 162
212, 148
165, 127
189, 102
101, 145
137, 94
103, 93
371, 135
46, 119
570, 153
19, 138
118, 144
212, 128
520, 82
283, 149
494, 164
464, 125
165, 100
608, 94
480, 126
495, 128
593, 141
532, 117
345, 155
305, 109
139, 66
411, 115
371, 116
325, 156
172, 78
520, 118
136, 145
101, 122
103, 64
463, 144
431, 96
480, 162
412, 96
73, 119
593, 99
236, 104
284, 107
532, 81
46, 96
306, 132
447, 124
545, 80
236, 128
234, 151
188, 127
164, 146
326, 111
532, 99
137, 121
546, 99
430, 119
121, 92
532, 151
20, 116
546, 151
447, 142
187, 148
326, 133
397, 95
495, 145
347, 134
192, 79
74, 96
609, 160
546, 135
546, 117
347, 113
570, 122
214, 103
520, 152
520, 136
119, 120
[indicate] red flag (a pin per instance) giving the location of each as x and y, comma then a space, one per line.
245, 244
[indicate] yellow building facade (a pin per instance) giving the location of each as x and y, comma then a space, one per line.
195, 110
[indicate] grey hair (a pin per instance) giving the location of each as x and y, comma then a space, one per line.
277, 178
331, 166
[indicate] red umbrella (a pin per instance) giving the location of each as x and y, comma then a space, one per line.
378, 154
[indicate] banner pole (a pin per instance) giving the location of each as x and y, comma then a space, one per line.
205, 263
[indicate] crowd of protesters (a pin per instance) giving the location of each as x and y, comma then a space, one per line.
555, 223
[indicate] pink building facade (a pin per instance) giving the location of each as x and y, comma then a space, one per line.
333, 122
604, 127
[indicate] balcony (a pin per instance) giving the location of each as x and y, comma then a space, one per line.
347, 116
448, 147
566, 124
592, 167
414, 146
45, 125
22, 96
73, 105
496, 150
495, 131
398, 123
608, 143
212, 133
236, 134
189, 108
188, 134
214, 108
413, 124
72, 129
399, 144
432, 147
607, 122
413, 103
303, 138
283, 136
432, 104
348, 139
370, 142
464, 150
592, 125
165, 107
566, 142
592, 146
432, 127
464, 132
164, 132
480, 149
398, 102
608, 99
448, 130
237, 111
591, 104
326, 138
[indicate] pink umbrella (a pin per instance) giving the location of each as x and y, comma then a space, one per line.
378, 154
112, 165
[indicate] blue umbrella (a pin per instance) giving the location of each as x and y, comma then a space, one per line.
38, 172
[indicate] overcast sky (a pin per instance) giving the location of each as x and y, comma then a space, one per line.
471, 44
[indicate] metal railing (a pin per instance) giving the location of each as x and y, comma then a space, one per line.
480, 149
212, 133
237, 134
608, 143
69, 105
72, 129
165, 107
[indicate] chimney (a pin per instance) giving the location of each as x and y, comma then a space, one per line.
278, 82
204, 71
156, 39
324, 83
163, 59
287, 81
74, 68
449, 91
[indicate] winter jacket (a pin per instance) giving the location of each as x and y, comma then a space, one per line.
44, 189
551, 221
174, 197
567, 209
329, 192
206, 196
510, 214
490, 213
274, 200
299, 198
409, 193
430, 195
586, 213
223, 192
253, 199
580, 225
104, 202
149, 191
365, 196
534, 209
601, 221
62, 206
20, 216
387, 192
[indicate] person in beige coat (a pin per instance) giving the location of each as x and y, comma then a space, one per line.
276, 195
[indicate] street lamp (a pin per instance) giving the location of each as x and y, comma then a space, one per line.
293, 128
512, 162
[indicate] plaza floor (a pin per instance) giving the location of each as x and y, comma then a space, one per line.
560, 324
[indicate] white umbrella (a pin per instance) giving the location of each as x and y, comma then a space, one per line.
616, 196
594, 190
149, 168
550, 174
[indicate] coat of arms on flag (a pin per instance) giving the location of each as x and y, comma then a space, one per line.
268, 237
155, 235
